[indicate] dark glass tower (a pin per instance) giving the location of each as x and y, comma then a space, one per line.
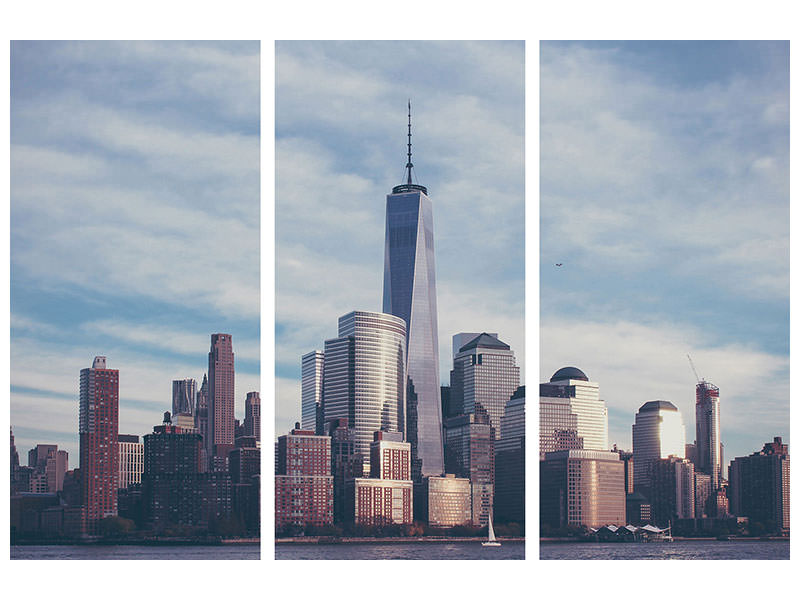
409, 292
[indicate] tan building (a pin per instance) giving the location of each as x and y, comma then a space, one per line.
582, 487
381, 501
449, 500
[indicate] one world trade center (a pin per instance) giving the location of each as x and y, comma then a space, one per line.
409, 292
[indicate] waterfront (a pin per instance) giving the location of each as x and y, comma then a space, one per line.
683, 550
131, 552
456, 550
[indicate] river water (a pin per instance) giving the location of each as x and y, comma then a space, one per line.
704, 550
97, 552
401, 551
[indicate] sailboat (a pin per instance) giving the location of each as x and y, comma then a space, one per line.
492, 540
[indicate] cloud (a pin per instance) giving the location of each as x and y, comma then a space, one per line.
641, 174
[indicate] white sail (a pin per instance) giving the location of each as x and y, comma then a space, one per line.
491, 530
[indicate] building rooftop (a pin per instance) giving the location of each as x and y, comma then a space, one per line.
657, 405
484, 340
569, 373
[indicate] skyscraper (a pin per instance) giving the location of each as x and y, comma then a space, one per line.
571, 414
409, 292
484, 373
98, 427
311, 394
709, 443
364, 376
252, 415
221, 394
131, 460
201, 422
658, 432
183, 396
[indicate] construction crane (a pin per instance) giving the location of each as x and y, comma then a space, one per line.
691, 364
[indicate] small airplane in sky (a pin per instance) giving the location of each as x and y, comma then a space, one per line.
559, 264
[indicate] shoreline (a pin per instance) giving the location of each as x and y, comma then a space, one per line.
676, 539
385, 540
147, 542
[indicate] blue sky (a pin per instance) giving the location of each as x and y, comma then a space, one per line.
134, 224
665, 194
341, 147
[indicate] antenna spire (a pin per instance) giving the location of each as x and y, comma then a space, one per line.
409, 164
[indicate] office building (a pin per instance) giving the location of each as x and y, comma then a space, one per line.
702, 493
131, 460
581, 487
571, 414
303, 484
469, 454
671, 490
312, 366
48, 464
252, 416
707, 425
484, 373
364, 380
98, 427
221, 397
201, 423
446, 501
759, 486
409, 292
184, 393
509, 463
657, 433
627, 460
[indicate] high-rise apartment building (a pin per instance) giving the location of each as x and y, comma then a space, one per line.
707, 425
303, 483
221, 394
658, 432
484, 373
387, 495
364, 377
184, 392
571, 414
98, 427
409, 292
131, 460
759, 486
311, 390
252, 415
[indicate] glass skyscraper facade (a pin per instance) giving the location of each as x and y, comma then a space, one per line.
364, 375
658, 432
311, 395
409, 292
484, 373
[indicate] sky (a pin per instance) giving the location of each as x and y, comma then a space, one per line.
134, 224
665, 194
341, 125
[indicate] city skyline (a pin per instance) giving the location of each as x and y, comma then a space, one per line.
134, 224
341, 148
664, 199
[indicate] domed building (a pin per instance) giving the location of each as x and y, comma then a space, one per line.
571, 414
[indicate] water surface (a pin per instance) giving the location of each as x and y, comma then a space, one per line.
401, 551
693, 550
